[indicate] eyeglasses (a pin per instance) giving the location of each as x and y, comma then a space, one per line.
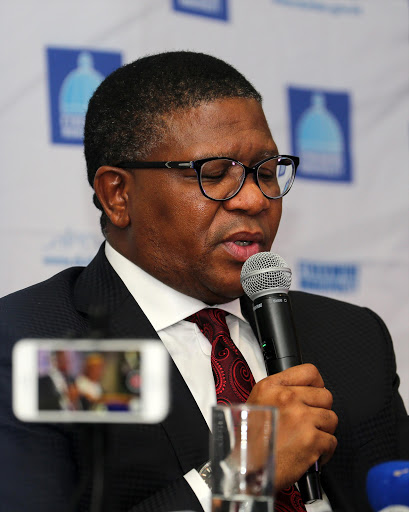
222, 178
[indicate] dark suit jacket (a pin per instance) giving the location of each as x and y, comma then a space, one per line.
43, 464
48, 395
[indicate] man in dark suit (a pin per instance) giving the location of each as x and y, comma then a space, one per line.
56, 388
169, 143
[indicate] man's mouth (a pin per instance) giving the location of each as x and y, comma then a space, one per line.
243, 243
241, 249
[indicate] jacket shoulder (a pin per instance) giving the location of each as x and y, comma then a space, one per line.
338, 324
42, 310
52, 286
336, 316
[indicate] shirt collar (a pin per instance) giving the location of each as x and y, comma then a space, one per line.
163, 305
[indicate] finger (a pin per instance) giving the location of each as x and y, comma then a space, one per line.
301, 375
329, 444
307, 420
319, 445
313, 397
266, 392
324, 420
311, 446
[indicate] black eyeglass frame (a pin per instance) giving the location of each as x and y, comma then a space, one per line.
197, 166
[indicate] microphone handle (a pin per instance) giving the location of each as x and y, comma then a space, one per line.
278, 341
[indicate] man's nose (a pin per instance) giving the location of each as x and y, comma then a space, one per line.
249, 199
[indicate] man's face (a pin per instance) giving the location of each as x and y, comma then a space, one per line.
62, 361
189, 242
95, 371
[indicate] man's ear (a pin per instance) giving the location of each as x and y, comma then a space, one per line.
111, 186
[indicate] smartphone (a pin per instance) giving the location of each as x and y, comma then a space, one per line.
86, 380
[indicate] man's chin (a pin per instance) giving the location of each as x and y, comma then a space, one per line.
227, 293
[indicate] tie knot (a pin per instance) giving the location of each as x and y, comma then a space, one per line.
211, 321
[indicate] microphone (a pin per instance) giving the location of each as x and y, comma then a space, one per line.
266, 279
387, 486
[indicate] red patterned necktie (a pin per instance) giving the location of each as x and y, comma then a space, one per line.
234, 381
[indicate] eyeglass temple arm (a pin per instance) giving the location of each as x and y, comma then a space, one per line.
156, 165
179, 165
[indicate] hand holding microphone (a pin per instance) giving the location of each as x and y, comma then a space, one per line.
307, 423
304, 403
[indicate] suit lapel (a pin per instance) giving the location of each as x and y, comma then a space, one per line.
99, 289
100, 292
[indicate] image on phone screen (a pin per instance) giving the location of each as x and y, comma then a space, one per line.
88, 380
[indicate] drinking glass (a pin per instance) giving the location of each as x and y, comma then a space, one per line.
242, 458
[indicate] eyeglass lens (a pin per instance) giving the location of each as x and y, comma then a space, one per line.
221, 179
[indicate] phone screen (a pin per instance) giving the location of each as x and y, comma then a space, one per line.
90, 380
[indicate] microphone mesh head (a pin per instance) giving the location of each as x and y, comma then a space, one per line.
265, 272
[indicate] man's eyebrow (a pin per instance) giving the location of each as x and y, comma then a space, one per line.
260, 156
268, 154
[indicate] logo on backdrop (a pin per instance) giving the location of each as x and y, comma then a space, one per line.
330, 6
211, 8
73, 76
71, 248
328, 277
320, 133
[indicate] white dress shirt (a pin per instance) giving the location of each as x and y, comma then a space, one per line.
190, 350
